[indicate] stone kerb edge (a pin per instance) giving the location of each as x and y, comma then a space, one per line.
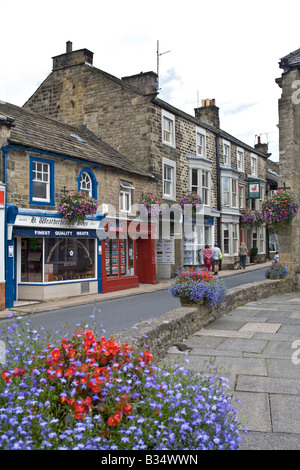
159, 334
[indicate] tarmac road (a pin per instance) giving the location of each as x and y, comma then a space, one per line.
123, 312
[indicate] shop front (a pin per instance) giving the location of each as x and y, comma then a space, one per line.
196, 235
128, 255
46, 259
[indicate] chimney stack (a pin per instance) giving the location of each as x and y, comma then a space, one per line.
262, 148
69, 47
208, 113
71, 58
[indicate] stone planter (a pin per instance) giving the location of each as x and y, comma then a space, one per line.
204, 312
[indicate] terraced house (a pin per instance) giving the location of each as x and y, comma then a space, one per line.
46, 257
184, 153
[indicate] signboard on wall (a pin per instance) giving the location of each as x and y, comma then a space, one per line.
165, 251
254, 189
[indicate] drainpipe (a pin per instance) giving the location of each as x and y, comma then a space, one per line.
218, 188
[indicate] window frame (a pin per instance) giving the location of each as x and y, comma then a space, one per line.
126, 196
93, 181
240, 162
202, 133
230, 192
170, 118
253, 158
242, 196
49, 200
166, 162
226, 144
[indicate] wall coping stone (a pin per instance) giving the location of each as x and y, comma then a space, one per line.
159, 334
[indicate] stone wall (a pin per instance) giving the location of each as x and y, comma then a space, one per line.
176, 325
66, 174
289, 162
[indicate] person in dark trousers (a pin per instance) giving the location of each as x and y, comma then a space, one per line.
217, 255
243, 255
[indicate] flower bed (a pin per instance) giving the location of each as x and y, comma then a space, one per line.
76, 206
98, 394
279, 210
276, 271
193, 285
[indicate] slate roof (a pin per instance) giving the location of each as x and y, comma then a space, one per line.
290, 60
33, 131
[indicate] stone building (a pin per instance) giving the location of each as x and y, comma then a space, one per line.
45, 257
183, 152
289, 153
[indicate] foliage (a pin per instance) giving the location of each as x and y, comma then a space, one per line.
76, 206
96, 394
254, 251
152, 204
276, 271
191, 199
196, 284
251, 217
279, 210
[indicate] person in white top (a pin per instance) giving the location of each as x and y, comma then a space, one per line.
216, 259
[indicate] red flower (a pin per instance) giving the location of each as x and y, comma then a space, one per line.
115, 419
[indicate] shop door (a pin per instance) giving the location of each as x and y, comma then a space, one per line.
146, 261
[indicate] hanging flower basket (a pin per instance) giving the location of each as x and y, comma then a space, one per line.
191, 199
76, 206
279, 210
151, 204
251, 218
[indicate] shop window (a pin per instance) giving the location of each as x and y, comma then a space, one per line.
119, 257
65, 259
69, 259
41, 181
194, 242
32, 260
226, 239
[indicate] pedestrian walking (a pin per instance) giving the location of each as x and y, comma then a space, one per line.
207, 257
217, 256
243, 255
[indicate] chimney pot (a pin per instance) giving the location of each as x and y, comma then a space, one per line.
69, 47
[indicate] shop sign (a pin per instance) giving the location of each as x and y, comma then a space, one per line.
254, 189
32, 233
44, 221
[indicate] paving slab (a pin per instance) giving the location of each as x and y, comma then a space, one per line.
253, 410
279, 385
243, 345
270, 441
285, 413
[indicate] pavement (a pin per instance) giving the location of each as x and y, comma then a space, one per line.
255, 346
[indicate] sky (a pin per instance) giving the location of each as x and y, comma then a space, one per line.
223, 50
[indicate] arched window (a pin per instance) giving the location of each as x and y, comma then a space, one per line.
87, 182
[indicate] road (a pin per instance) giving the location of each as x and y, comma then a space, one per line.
119, 314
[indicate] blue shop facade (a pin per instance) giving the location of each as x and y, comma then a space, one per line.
47, 259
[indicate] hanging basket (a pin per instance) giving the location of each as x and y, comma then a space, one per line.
279, 210
76, 206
